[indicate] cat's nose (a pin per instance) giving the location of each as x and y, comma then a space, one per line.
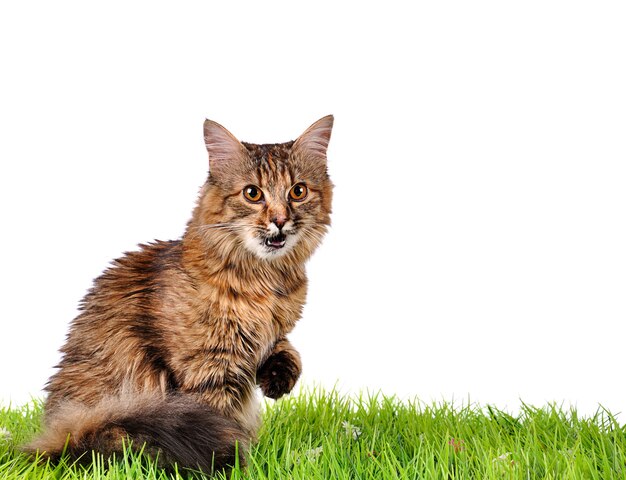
279, 221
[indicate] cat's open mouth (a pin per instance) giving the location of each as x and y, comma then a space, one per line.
276, 242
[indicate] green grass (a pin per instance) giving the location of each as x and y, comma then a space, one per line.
322, 435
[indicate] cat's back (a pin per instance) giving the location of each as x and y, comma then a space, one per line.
134, 284
118, 335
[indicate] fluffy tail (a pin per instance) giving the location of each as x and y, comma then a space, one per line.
174, 429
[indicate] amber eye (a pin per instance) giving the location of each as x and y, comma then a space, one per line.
253, 194
298, 192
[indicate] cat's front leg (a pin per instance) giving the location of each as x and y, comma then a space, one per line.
280, 371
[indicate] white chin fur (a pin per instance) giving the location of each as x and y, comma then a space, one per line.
255, 245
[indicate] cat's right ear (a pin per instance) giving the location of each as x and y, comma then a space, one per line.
314, 141
222, 146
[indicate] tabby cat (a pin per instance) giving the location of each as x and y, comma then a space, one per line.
172, 340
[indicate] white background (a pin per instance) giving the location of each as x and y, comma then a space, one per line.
478, 245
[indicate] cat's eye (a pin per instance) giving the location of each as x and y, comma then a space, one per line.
253, 194
298, 192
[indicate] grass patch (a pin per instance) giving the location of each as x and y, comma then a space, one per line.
322, 435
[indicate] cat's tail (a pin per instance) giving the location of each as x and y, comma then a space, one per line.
171, 429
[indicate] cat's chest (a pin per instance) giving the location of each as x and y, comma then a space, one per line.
246, 322
254, 308
241, 314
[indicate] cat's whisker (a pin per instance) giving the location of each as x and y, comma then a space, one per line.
217, 225
314, 235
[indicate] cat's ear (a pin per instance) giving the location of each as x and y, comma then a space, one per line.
223, 147
313, 143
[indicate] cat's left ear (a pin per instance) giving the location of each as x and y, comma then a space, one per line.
313, 143
223, 147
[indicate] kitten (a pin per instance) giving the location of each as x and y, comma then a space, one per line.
172, 339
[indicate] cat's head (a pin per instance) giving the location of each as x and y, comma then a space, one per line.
270, 200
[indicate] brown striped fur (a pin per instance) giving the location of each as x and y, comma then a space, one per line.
172, 339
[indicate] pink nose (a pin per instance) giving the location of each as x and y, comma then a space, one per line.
279, 220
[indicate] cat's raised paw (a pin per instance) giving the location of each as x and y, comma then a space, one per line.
279, 374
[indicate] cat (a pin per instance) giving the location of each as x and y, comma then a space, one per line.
172, 340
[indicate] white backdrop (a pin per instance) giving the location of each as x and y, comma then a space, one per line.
478, 245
